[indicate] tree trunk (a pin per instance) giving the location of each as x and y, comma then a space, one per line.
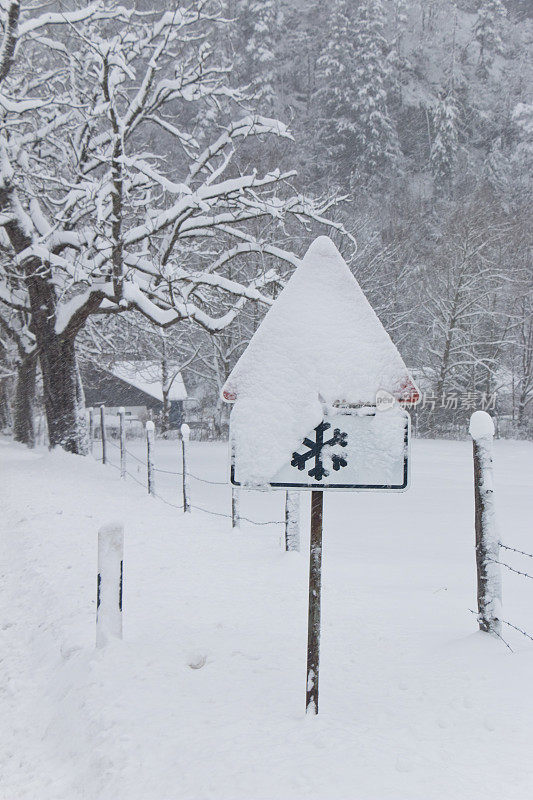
523, 401
5, 410
24, 422
165, 415
63, 395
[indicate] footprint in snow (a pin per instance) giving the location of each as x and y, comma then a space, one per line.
197, 662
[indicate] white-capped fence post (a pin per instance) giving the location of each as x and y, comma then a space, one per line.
102, 432
292, 521
185, 436
489, 587
235, 507
150, 428
91, 428
109, 583
121, 416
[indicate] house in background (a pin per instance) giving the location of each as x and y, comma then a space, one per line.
137, 385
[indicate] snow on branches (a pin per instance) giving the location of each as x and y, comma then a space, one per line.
126, 182
106, 169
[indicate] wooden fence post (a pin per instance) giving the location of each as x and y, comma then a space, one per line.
292, 521
313, 627
102, 432
109, 583
150, 429
121, 416
91, 428
185, 436
235, 507
489, 587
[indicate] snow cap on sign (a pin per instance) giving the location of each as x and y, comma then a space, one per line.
320, 343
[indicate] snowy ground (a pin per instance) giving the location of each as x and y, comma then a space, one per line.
204, 697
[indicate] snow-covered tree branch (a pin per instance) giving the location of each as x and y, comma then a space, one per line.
124, 183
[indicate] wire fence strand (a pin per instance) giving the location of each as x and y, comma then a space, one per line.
191, 475
205, 480
268, 522
134, 477
515, 550
213, 513
176, 472
509, 625
509, 567
167, 471
167, 502
117, 446
496, 632
503, 640
245, 519
516, 628
136, 458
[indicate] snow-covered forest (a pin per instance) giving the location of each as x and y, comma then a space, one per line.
164, 169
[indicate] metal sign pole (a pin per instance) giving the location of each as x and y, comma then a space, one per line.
313, 630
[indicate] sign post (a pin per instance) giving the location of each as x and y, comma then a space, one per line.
313, 625
318, 397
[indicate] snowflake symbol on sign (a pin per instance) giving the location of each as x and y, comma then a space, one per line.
315, 451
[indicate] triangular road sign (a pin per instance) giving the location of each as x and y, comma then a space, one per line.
320, 344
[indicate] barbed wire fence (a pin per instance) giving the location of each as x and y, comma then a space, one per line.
488, 544
150, 468
516, 572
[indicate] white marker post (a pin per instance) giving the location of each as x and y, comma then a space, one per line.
292, 521
121, 415
185, 436
235, 508
102, 433
109, 583
150, 430
489, 585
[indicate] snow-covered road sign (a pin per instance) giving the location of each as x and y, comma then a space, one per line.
316, 396
320, 346
357, 449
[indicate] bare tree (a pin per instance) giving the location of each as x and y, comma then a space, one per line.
522, 355
461, 307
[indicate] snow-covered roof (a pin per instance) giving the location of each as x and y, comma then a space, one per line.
319, 344
146, 376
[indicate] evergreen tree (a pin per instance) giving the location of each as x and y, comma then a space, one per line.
398, 61
399, 23
355, 74
444, 147
259, 29
487, 30
337, 93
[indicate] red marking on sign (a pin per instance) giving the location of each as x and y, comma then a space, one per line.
229, 396
408, 393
